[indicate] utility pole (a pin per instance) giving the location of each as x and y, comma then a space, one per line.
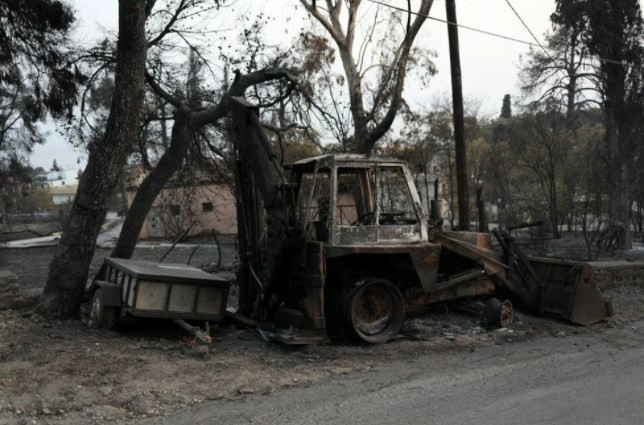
457, 104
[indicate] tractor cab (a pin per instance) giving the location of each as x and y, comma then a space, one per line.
356, 200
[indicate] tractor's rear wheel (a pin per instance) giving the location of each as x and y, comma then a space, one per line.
374, 310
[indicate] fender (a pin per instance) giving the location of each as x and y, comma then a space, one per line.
111, 293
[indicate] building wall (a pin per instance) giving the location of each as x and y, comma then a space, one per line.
62, 199
212, 206
62, 195
62, 178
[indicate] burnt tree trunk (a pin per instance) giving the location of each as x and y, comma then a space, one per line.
617, 154
68, 270
618, 183
123, 195
186, 124
480, 205
169, 163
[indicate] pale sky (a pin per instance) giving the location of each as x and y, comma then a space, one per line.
489, 65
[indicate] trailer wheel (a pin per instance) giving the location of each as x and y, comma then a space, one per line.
375, 310
498, 314
101, 316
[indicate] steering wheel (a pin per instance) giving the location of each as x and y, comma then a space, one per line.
390, 217
361, 219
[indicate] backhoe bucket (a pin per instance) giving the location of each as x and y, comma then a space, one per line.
546, 286
558, 287
567, 291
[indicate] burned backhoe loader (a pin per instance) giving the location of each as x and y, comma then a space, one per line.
341, 242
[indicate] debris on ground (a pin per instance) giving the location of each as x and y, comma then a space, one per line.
60, 372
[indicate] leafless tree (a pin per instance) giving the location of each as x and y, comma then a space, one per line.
373, 103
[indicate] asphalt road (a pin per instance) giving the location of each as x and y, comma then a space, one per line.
580, 379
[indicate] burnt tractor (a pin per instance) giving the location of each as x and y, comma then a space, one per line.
341, 243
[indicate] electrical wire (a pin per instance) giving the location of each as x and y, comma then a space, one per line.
541, 45
534, 37
516, 40
489, 33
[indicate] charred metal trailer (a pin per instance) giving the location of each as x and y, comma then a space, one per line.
342, 242
135, 288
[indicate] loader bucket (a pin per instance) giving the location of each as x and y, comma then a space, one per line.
567, 291
560, 288
552, 286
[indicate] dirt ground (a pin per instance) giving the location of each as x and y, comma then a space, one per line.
63, 373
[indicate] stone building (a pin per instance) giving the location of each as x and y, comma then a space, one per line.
208, 202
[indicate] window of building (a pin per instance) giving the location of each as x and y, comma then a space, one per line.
207, 207
175, 210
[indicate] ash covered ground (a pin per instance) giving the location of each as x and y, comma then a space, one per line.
61, 372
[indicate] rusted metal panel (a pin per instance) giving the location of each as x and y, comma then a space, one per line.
425, 256
481, 240
311, 281
490, 260
426, 262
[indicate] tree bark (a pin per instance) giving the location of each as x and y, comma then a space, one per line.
618, 183
152, 185
123, 195
68, 270
614, 33
617, 161
186, 124
480, 205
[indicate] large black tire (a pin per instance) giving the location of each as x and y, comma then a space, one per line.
100, 316
374, 310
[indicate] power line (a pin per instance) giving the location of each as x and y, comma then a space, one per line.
534, 37
541, 45
492, 34
505, 37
